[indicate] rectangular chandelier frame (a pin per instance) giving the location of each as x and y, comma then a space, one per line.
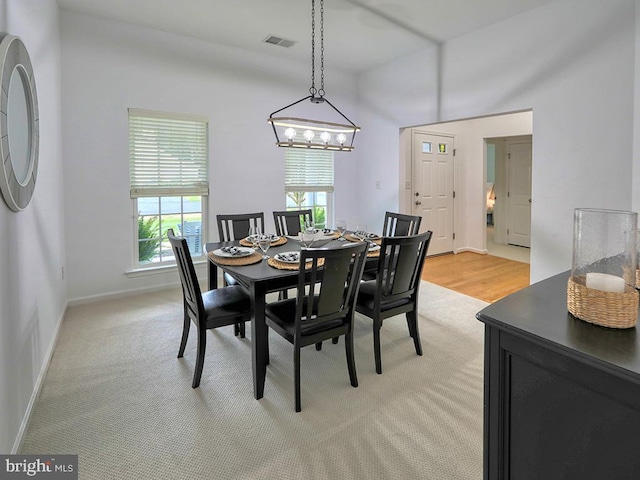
293, 132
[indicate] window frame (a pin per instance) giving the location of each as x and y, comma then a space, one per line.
294, 165
197, 185
196, 257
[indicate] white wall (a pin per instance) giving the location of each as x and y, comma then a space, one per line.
32, 249
401, 94
110, 66
577, 77
572, 63
636, 118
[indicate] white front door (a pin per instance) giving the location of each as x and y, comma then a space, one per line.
519, 194
432, 194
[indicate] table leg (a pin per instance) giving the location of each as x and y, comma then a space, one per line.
259, 339
213, 275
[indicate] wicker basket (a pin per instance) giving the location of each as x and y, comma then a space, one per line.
607, 309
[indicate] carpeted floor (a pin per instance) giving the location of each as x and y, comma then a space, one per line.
117, 396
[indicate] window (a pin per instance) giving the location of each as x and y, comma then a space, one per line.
168, 156
309, 183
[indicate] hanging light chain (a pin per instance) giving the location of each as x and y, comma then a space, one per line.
332, 136
313, 90
321, 91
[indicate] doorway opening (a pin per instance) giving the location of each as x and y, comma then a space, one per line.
508, 196
470, 139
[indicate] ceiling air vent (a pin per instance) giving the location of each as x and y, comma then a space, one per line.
282, 42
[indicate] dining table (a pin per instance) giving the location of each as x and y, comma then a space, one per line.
260, 278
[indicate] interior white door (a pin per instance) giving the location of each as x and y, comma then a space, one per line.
433, 196
519, 194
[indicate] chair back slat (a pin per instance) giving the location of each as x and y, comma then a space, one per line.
188, 277
400, 225
400, 265
338, 279
290, 222
333, 294
236, 226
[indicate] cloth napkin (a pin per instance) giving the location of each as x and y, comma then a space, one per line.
289, 257
232, 250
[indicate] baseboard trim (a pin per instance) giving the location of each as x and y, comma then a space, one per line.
200, 269
26, 420
481, 251
120, 294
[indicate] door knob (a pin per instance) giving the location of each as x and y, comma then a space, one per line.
418, 202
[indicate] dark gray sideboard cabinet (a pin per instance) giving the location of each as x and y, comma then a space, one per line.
561, 396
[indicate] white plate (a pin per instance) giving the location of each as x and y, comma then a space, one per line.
373, 236
241, 252
374, 248
289, 257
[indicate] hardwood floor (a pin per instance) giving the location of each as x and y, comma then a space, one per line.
484, 277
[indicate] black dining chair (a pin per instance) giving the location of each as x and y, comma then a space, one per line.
396, 225
400, 224
236, 226
324, 305
290, 222
395, 289
216, 308
232, 227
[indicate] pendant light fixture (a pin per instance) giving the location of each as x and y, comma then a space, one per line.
323, 134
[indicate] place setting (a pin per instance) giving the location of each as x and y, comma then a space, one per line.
314, 237
233, 255
289, 261
360, 234
254, 233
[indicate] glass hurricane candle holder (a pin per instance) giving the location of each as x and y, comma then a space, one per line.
601, 288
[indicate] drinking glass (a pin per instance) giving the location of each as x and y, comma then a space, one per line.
341, 226
254, 235
310, 225
265, 242
361, 231
307, 237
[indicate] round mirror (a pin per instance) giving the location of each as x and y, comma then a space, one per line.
19, 126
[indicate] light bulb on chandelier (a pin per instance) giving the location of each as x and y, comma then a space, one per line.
325, 137
308, 135
290, 133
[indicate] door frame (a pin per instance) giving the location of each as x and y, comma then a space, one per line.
411, 190
501, 182
470, 167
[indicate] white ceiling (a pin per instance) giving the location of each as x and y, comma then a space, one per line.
359, 34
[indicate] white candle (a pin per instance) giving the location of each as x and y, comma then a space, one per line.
605, 282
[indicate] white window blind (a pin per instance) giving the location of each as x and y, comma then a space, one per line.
168, 154
308, 170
